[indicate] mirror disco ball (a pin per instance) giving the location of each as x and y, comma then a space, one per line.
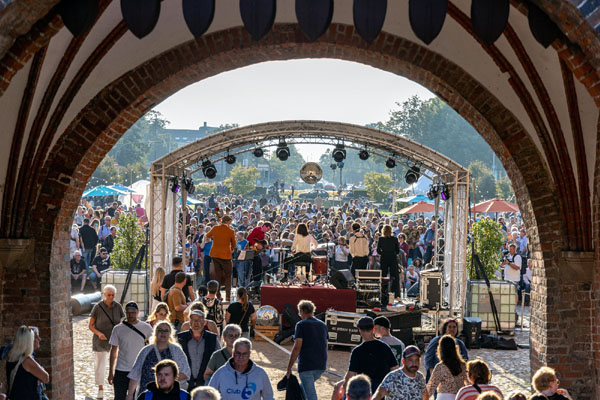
311, 173
267, 316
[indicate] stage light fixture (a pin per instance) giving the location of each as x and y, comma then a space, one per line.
230, 159
390, 163
283, 151
189, 185
363, 155
258, 152
339, 153
175, 186
333, 166
209, 170
433, 192
412, 175
445, 193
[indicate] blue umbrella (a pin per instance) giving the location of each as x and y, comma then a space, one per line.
122, 188
101, 191
415, 199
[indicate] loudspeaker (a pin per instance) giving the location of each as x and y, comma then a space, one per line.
472, 331
342, 279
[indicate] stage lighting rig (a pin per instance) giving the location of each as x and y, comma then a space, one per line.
339, 153
412, 175
175, 186
363, 155
445, 192
390, 162
258, 152
283, 151
230, 159
208, 169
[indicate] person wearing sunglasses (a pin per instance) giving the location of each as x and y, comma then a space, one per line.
240, 377
230, 334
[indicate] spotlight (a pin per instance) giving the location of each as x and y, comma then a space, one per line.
189, 185
283, 151
230, 159
390, 163
412, 175
339, 153
175, 186
258, 152
433, 192
363, 155
209, 170
445, 194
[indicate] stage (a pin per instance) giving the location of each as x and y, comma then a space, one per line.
323, 297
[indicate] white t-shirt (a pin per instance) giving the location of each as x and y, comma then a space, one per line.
513, 275
130, 343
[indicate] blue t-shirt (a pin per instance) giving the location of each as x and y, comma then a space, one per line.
313, 354
241, 245
207, 247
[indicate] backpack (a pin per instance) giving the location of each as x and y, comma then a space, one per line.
214, 311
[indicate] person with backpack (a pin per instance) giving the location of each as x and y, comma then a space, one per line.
176, 301
127, 340
213, 305
165, 385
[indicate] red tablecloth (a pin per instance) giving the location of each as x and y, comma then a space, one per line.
323, 297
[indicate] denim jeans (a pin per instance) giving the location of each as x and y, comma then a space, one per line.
243, 272
87, 256
308, 379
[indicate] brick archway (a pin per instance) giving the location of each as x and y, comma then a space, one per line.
110, 113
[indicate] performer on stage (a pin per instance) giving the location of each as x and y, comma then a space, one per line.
388, 248
359, 248
257, 242
223, 246
302, 245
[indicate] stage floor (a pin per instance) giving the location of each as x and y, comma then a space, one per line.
323, 297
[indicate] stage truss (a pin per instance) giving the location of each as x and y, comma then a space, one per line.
167, 230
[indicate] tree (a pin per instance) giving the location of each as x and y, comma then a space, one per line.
107, 173
242, 180
128, 241
483, 180
378, 185
504, 189
488, 240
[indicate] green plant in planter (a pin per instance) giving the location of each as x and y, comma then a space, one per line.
488, 240
128, 241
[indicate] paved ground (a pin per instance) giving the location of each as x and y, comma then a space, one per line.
510, 368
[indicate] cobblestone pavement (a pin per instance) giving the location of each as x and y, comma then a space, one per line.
510, 369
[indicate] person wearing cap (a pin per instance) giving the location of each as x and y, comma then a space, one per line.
310, 348
78, 269
126, 341
363, 356
406, 383
198, 344
382, 332
223, 246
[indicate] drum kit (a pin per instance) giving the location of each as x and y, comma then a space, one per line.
319, 261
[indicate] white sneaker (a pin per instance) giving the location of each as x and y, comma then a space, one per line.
100, 394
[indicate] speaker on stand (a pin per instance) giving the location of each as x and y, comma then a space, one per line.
342, 279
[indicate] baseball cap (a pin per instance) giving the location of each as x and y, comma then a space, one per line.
198, 313
132, 304
365, 322
382, 321
411, 351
